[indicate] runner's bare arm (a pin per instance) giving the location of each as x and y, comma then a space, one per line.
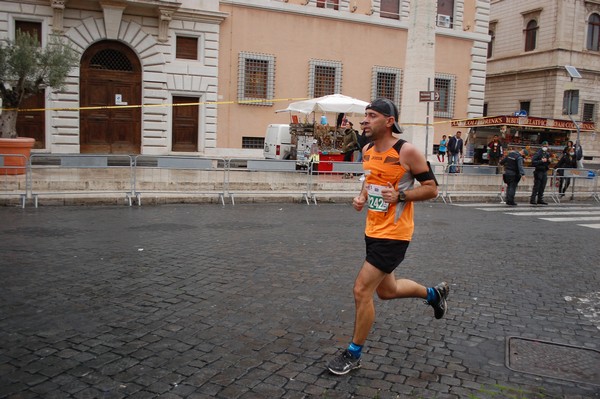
414, 161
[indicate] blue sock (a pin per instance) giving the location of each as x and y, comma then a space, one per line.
355, 349
432, 295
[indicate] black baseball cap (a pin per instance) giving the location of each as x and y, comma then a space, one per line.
386, 107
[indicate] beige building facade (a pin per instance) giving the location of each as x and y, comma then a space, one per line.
353, 47
206, 77
532, 43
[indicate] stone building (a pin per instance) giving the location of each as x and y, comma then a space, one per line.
206, 77
149, 52
532, 43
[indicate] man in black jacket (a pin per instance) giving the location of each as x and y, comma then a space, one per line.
513, 171
455, 151
541, 162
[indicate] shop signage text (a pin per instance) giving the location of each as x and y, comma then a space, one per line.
524, 121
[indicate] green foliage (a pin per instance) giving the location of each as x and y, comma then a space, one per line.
26, 68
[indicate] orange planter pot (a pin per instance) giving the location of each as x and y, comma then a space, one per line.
15, 165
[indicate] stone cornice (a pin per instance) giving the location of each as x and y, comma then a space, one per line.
547, 61
187, 14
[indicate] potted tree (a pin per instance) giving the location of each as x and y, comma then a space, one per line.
26, 69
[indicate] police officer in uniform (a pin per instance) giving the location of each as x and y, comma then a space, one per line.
541, 161
513, 172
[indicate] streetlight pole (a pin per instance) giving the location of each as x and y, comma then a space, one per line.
573, 73
571, 117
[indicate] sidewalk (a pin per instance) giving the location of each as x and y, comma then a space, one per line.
205, 301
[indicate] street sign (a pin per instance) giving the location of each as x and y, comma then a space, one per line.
427, 96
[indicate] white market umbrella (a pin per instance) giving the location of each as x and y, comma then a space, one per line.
337, 103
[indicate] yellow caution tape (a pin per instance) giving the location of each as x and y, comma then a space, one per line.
153, 105
257, 101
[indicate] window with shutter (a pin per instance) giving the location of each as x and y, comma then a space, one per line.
390, 9
186, 48
531, 35
33, 28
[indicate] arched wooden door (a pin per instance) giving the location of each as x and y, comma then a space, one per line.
111, 75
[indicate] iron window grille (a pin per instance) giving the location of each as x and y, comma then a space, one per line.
253, 142
387, 83
256, 81
445, 85
325, 78
111, 60
589, 112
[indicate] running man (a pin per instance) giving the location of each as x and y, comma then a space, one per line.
388, 194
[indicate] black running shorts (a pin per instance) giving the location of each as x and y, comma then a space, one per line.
385, 254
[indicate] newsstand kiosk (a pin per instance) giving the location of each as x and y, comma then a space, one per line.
516, 132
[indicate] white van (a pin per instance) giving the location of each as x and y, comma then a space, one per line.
278, 142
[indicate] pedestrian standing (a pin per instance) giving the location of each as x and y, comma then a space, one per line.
541, 162
442, 149
350, 142
567, 161
455, 151
513, 172
388, 194
363, 140
568, 147
494, 151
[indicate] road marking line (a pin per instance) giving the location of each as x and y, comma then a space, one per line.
588, 306
573, 219
538, 208
592, 226
553, 213
476, 205
526, 204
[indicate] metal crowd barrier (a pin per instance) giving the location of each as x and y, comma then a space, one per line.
80, 175
597, 189
472, 181
582, 182
340, 179
13, 176
179, 175
438, 170
134, 177
255, 178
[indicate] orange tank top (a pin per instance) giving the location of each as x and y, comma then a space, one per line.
388, 221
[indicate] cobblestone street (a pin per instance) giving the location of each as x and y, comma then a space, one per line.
251, 301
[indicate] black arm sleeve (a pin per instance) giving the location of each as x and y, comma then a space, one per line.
429, 175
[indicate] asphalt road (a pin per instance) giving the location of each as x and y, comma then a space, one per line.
251, 301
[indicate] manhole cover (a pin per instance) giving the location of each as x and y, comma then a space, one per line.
548, 359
